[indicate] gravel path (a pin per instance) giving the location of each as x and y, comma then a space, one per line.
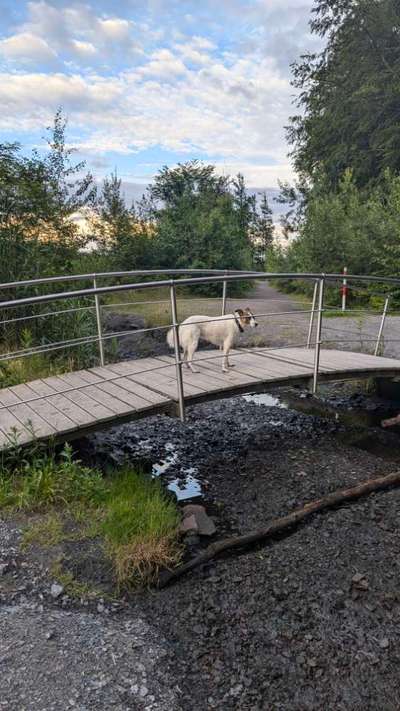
55, 659
290, 325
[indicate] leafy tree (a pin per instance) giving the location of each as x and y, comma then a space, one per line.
263, 230
70, 190
200, 222
349, 93
124, 238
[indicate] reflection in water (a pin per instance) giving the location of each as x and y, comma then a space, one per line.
186, 486
264, 399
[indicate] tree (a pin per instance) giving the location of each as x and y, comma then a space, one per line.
122, 236
349, 93
70, 190
263, 231
199, 221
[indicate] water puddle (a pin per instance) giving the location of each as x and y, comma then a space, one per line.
185, 486
358, 419
159, 468
264, 399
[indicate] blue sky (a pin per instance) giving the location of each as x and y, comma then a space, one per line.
151, 82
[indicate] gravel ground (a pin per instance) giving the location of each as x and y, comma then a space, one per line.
309, 622
56, 659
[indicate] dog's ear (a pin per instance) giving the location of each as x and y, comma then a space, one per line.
239, 311
248, 309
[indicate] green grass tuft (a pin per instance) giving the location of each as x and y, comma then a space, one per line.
48, 531
44, 481
140, 528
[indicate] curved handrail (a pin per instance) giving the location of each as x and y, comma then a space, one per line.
225, 276
100, 275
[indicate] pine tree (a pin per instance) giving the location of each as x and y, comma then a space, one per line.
263, 234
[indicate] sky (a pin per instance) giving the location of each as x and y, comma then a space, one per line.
147, 83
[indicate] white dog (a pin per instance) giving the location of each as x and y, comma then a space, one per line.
220, 330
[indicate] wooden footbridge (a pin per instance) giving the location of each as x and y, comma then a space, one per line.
72, 404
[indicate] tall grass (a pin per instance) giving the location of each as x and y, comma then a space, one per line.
140, 527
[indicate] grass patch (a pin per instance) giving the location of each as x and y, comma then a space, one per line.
48, 531
133, 517
72, 586
338, 313
155, 306
140, 528
44, 481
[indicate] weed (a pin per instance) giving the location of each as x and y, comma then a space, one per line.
71, 585
42, 481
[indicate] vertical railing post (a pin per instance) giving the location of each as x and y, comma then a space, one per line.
310, 327
178, 362
224, 291
318, 334
98, 319
344, 289
381, 327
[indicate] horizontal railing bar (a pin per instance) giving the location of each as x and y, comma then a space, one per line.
147, 285
47, 313
99, 275
159, 301
186, 282
43, 348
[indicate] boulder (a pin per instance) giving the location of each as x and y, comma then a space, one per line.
205, 525
188, 525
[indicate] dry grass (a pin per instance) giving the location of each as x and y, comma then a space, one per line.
140, 562
140, 528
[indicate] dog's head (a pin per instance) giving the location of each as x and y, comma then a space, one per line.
246, 318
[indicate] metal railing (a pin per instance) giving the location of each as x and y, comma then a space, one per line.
185, 279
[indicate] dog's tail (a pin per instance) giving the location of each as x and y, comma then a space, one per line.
170, 337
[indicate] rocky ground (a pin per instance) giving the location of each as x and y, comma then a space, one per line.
309, 621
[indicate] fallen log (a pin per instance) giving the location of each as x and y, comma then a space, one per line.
391, 422
281, 524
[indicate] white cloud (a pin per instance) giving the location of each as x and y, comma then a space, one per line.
84, 49
190, 53
26, 46
115, 28
236, 112
203, 43
73, 31
130, 85
163, 64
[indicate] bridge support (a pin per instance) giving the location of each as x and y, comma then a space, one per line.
318, 334
99, 327
314, 302
178, 362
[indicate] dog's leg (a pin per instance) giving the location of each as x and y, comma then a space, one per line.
225, 360
185, 358
190, 354
226, 364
